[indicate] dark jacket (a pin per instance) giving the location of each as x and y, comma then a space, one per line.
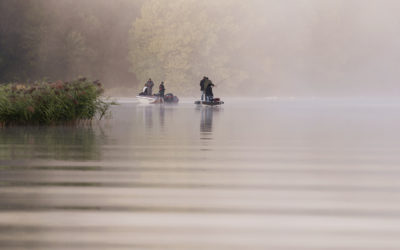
207, 82
162, 89
202, 82
209, 91
149, 84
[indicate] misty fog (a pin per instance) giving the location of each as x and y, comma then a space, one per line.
256, 47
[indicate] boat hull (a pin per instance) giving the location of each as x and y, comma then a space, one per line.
210, 104
146, 99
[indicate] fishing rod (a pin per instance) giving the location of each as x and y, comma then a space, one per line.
224, 80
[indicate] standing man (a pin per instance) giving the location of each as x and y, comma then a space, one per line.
209, 92
202, 88
207, 83
162, 91
149, 84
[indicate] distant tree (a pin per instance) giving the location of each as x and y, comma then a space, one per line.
179, 41
20, 23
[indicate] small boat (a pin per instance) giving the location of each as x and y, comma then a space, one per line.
213, 102
147, 99
153, 99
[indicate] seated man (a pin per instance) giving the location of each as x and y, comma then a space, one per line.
144, 92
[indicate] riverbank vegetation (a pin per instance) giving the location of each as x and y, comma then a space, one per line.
47, 103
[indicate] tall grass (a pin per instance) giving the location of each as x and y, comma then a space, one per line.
51, 103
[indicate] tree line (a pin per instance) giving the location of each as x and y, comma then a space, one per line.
65, 39
120, 42
254, 46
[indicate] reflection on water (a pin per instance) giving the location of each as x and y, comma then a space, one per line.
148, 116
162, 116
206, 119
250, 175
51, 143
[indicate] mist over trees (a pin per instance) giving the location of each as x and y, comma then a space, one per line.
64, 39
182, 40
262, 47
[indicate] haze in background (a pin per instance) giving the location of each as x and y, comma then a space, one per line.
65, 39
267, 48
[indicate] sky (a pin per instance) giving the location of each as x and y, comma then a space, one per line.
309, 47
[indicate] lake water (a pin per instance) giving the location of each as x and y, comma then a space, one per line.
253, 174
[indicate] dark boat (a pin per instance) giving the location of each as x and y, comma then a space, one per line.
153, 99
214, 102
170, 98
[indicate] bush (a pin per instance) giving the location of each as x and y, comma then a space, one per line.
51, 103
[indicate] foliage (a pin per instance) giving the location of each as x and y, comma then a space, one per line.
64, 39
51, 103
179, 41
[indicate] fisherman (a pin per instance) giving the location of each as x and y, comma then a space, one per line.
161, 91
209, 92
149, 84
202, 89
207, 83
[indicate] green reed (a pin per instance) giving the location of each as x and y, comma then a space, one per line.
51, 103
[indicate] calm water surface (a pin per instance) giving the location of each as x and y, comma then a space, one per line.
264, 174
